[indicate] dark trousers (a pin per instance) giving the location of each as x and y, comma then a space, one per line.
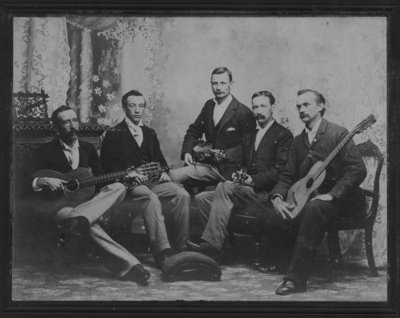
306, 231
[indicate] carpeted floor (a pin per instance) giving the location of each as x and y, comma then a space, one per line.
90, 281
41, 272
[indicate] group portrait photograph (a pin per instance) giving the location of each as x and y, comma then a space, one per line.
187, 160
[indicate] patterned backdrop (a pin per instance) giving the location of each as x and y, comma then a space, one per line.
90, 62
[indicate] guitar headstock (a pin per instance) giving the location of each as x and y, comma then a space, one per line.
365, 124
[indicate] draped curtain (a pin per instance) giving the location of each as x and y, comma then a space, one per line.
41, 58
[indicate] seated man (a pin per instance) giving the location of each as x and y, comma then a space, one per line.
131, 144
223, 121
264, 156
65, 153
338, 195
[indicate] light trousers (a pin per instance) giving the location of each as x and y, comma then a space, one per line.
165, 210
215, 209
114, 256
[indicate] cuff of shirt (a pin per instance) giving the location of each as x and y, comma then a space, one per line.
35, 187
276, 195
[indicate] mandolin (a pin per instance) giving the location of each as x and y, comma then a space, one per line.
240, 176
81, 183
300, 192
204, 153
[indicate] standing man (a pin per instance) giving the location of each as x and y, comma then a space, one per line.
131, 144
338, 196
224, 121
63, 154
265, 152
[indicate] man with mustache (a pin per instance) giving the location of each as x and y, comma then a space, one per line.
223, 121
338, 196
65, 153
264, 157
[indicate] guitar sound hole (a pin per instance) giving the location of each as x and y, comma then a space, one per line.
309, 183
72, 185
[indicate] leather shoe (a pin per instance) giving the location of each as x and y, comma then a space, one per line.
205, 248
161, 257
267, 269
290, 287
138, 275
76, 226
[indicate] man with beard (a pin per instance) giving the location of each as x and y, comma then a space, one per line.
264, 157
65, 153
338, 195
223, 121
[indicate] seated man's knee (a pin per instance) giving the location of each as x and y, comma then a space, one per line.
226, 187
315, 209
117, 187
63, 213
182, 194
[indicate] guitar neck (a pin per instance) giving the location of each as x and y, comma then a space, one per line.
148, 170
105, 178
334, 153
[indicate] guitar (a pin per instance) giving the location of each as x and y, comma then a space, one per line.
80, 185
299, 193
203, 152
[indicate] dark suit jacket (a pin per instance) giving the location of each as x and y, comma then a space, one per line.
265, 164
343, 175
236, 121
120, 150
50, 156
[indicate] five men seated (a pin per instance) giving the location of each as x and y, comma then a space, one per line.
260, 161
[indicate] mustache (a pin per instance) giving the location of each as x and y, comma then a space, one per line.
259, 116
73, 131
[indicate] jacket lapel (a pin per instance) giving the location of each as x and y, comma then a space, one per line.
304, 136
208, 117
252, 145
321, 130
229, 113
148, 141
60, 156
266, 136
129, 138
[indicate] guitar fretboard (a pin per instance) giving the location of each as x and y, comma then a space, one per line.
150, 169
360, 127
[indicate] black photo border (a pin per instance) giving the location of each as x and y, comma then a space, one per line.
386, 8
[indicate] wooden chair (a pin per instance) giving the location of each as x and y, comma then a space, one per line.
374, 162
244, 223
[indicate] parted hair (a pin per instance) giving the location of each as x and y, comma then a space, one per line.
221, 70
266, 94
133, 92
54, 115
319, 97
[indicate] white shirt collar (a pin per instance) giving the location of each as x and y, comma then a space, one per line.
66, 147
225, 102
261, 133
131, 124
